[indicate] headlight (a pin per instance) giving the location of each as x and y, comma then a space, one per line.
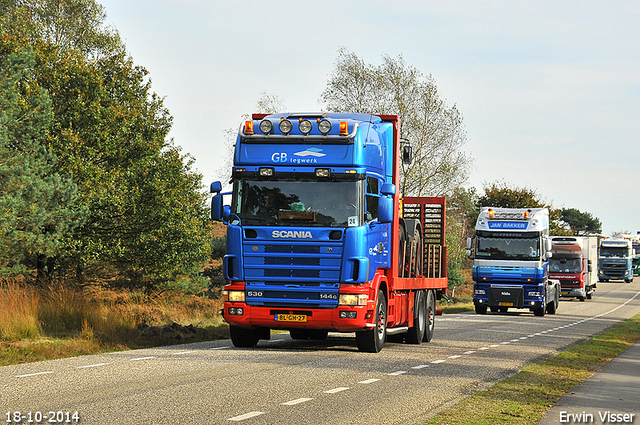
479, 292
353, 299
285, 126
324, 126
233, 296
534, 294
305, 126
266, 126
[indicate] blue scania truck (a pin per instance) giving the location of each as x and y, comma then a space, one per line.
511, 261
318, 237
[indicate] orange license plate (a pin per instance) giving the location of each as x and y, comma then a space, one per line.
291, 317
506, 304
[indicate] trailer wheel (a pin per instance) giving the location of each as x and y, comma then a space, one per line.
589, 295
372, 340
416, 333
481, 309
242, 337
431, 316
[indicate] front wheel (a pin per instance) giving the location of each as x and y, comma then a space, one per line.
372, 340
241, 337
481, 309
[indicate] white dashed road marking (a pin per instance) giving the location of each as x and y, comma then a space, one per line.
336, 390
246, 416
296, 401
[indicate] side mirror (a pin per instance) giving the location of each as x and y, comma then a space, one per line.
217, 208
216, 187
388, 189
469, 243
385, 209
407, 154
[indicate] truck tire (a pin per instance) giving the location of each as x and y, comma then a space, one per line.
431, 316
372, 340
589, 295
241, 337
552, 307
540, 311
416, 333
481, 309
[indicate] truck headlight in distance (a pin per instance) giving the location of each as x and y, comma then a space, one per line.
305, 126
353, 299
324, 126
233, 296
266, 126
323, 172
285, 126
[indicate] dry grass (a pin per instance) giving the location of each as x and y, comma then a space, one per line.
54, 322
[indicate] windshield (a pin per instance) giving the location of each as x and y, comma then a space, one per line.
507, 248
611, 251
299, 203
565, 265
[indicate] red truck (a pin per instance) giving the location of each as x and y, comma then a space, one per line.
318, 237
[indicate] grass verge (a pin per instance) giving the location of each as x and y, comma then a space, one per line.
50, 323
527, 396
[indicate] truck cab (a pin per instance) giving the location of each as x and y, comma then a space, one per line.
615, 260
316, 239
510, 270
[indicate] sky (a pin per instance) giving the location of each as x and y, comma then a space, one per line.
549, 90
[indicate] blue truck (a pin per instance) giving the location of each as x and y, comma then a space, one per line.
511, 250
318, 237
615, 260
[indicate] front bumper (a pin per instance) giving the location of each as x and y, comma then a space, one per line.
339, 319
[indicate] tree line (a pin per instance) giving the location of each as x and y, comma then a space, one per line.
91, 185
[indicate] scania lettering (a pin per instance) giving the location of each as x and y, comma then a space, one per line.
575, 264
511, 250
290, 234
316, 239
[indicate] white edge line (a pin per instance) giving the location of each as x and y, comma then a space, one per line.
455, 357
185, 352
438, 361
143, 358
422, 366
220, 348
400, 372
33, 374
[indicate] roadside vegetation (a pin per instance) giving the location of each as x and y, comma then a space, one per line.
528, 395
55, 322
